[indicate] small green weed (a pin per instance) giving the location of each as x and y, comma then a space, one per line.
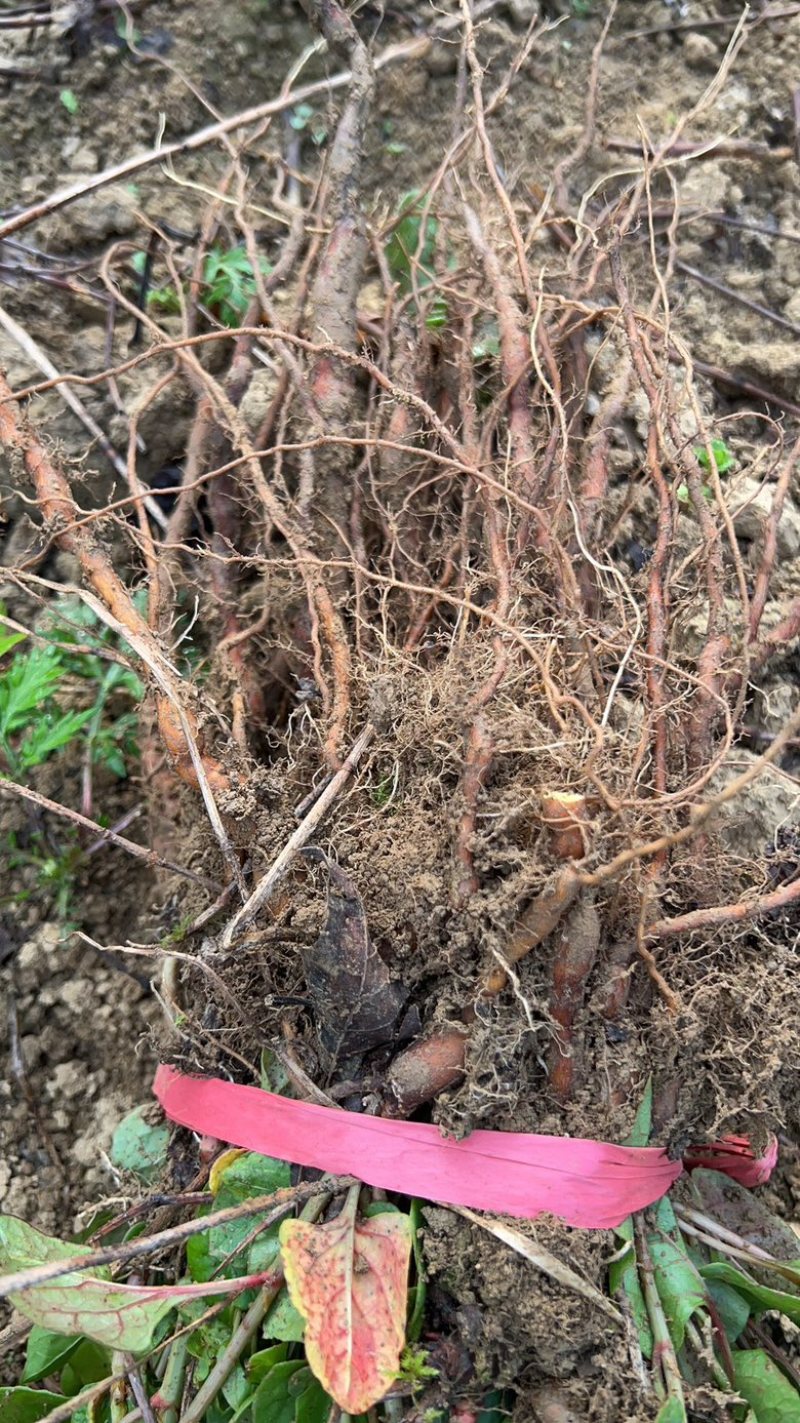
121, 27
36, 678
386, 790
230, 283
305, 119
69, 99
33, 722
392, 145
723, 459
415, 1369
56, 873
409, 250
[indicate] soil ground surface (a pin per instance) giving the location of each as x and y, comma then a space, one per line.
507, 640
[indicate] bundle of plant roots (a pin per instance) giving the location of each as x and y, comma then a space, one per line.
454, 742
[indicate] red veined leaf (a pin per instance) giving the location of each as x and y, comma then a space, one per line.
119, 1316
349, 1279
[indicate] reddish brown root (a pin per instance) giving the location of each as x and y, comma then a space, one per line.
424, 1070
566, 815
575, 956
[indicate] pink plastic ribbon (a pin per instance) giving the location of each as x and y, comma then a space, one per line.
734, 1156
585, 1183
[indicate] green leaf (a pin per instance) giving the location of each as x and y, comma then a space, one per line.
21, 1246
49, 735
70, 100
643, 1121
684, 496
247, 1175
273, 1076
623, 1273
673, 1410
138, 1147
723, 458
200, 1262
680, 1286
401, 247
118, 1316
437, 314
230, 282
284, 1321
25, 684
89, 1364
771, 1396
259, 1364
46, 1352
209, 1339
300, 117
10, 640
110, 756
760, 1296
273, 1402
164, 299
27, 1405
732, 1308
236, 1388
665, 1219
314, 1404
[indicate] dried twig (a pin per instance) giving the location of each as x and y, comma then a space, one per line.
300, 837
140, 852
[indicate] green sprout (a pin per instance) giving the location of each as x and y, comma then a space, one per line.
409, 250
230, 283
305, 119
33, 722
723, 458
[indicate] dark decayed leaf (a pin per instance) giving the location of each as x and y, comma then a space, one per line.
771, 1396
356, 1004
743, 1212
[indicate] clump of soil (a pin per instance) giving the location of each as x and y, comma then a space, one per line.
82, 1041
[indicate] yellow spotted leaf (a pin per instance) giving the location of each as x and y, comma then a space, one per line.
349, 1280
